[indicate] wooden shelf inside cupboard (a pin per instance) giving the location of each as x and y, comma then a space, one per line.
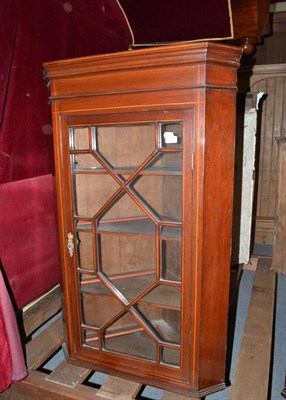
128, 170
135, 226
144, 154
165, 295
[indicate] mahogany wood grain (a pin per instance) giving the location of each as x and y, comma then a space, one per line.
250, 21
196, 85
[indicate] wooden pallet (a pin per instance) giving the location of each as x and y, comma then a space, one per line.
67, 381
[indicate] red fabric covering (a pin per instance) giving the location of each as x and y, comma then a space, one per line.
12, 364
164, 21
28, 243
5, 355
8, 25
45, 30
34, 31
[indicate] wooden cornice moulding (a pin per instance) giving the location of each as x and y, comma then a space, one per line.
177, 54
145, 70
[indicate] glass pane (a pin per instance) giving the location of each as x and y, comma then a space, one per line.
171, 135
166, 322
86, 162
84, 250
130, 339
124, 216
165, 296
126, 145
83, 226
140, 226
98, 305
171, 260
79, 138
162, 193
90, 338
165, 164
122, 208
170, 357
171, 232
91, 192
129, 262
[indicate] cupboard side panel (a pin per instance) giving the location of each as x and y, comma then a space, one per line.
216, 233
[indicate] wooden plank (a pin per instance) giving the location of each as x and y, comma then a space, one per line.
252, 265
68, 375
251, 377
279, 248
41, 311
265, 168
118, 389
283, 121
273, 83
36, 387
45, 344
264, 230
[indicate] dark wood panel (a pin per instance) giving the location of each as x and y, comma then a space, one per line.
279, 248
272, 48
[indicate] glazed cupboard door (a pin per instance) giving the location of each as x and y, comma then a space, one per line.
124, 274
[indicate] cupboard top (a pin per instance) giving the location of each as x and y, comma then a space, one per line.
168, 56
160, 68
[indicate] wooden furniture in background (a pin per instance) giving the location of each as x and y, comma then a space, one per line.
250, 22
268, 75
279, 248
271, 80
272, 48
144, 151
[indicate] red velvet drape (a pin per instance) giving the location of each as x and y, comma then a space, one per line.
34, 31
163, 21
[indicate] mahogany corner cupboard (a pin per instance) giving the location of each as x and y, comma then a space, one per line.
144, 154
